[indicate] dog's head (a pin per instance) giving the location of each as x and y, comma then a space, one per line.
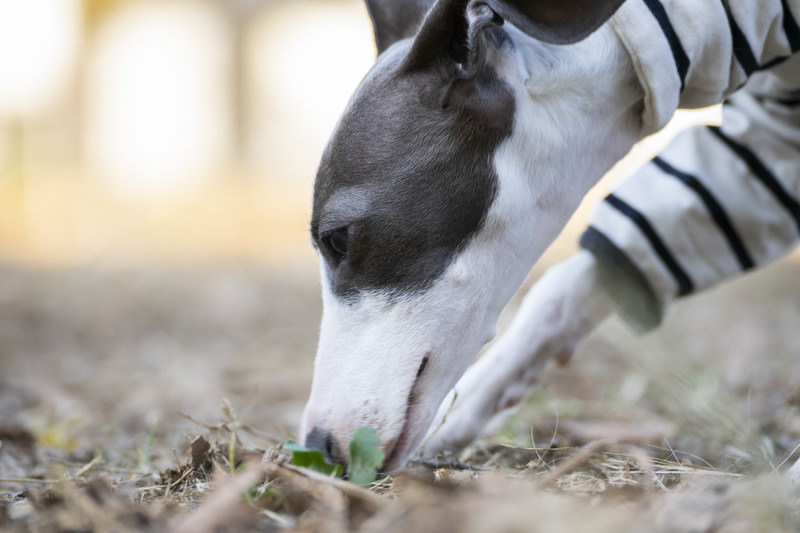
425, 215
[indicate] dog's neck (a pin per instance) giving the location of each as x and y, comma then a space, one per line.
585, 96
578, 112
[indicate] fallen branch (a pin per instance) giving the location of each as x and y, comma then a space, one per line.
225, 506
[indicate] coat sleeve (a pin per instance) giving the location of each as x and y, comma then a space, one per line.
717, 202
696, 53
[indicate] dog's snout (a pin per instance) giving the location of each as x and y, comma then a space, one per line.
323, 440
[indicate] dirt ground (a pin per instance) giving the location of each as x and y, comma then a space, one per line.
128, 396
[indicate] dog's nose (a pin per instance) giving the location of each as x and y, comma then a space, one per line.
323, 440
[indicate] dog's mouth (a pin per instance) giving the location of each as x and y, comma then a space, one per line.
397, 449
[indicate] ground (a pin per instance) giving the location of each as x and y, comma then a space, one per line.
156, 398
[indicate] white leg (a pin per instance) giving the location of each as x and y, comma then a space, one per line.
558, 312
793, 474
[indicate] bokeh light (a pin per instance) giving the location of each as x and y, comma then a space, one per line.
302, 77
157, 96
39, 40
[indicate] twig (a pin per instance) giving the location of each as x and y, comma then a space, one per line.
282, 521
533, 444
555, 429
200, 423
244, 427
151, 487
788, 456
687, 454
101, 519
90, 465
674, 455
578, 458
183, 476
646, 466
261, 434
303, 477
224, 505
72, 464
34, 481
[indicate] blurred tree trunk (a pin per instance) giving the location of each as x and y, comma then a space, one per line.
240, 89
95, 10
16, 152
241, 14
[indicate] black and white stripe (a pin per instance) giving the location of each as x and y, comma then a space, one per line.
763, 174
682, 61
744, 51
715, 209
685, 283
773, 62
791, 27
741, 47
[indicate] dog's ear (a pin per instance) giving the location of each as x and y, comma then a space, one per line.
393, 20
444, 36
451, 26
556, 21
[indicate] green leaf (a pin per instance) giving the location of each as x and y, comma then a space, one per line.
366, 456
312, 459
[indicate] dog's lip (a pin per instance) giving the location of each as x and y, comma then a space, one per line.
397, 447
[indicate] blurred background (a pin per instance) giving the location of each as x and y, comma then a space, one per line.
168, 130
156, 166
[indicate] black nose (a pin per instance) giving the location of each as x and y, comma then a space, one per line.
323, 440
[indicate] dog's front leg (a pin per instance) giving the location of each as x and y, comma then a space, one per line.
558, 312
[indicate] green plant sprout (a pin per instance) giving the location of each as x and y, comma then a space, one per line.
366, 457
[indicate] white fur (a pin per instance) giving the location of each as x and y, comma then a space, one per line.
576, 116
548, 325
541, 184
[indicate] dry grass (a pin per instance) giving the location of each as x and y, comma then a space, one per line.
594, 488
112, 381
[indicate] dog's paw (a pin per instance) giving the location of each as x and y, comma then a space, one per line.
494, 385
457, 424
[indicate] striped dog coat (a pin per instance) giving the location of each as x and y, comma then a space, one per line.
717, 201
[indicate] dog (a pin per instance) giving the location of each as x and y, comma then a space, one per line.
465, 150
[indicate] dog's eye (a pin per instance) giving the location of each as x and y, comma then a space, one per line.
336, 243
